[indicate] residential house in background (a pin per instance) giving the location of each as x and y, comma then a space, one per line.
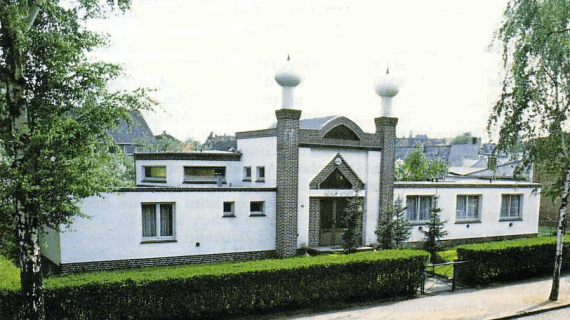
220, 142
134, 136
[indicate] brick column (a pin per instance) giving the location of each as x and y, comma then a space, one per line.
287, 181
386, 129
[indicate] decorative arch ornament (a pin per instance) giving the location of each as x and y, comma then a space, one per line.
341, 128
337, 174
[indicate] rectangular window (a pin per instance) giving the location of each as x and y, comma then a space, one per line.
419, 208
204, 174
467, 207
260, 174
229, 208
155, 173
256, 208
246, 173
158, 221
511, 206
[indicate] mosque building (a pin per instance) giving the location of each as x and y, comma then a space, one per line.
284, 188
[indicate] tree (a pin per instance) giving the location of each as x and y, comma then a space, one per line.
465, 138
534, 101
435, 231
351, 237
396, 229
55, 112
417, 167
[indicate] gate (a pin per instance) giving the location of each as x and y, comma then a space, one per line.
441, 277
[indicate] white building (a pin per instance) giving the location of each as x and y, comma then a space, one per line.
285, 188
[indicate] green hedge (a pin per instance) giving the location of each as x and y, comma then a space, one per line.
301, 282
508, 260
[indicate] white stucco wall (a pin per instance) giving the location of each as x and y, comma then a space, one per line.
258, 152
490, 207
114, 230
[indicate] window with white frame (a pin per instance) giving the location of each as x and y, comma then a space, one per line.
511, 206
467, 208
246, 173
419, 208
260, 174
155, 173
256, 208
229, 209
158, 221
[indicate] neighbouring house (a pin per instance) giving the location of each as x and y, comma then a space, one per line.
220, 142
133, 136
283, 188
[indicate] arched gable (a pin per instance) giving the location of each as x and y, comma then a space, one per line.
337, 174
341, 128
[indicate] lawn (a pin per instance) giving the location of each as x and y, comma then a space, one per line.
446, 270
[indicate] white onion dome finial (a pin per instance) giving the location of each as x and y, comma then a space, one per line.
286, 76
385, 86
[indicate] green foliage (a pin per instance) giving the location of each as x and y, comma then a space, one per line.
532, 112
466, 138
352, 236
229, 289
124, 167
395, 229
69, 110
55, 114
141, 275
509, 260
9, 275
417, 167
435, 232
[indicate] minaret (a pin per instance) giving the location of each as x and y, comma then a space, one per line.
287, 163
386, 131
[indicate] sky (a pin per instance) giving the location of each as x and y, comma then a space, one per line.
213, 62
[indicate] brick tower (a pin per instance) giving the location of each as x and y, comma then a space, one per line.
287, 164
386, 130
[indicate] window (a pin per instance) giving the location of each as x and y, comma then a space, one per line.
256, 208
419, 208
155, 173
467, 207
158, 221
246, 173
511, 207
204, 174
260, 174
229, 208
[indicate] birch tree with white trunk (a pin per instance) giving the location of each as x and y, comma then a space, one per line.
55, 112
531, 115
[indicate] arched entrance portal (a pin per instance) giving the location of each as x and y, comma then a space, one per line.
331, 192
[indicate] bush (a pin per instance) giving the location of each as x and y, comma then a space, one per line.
9, 275
256, 287
508, 260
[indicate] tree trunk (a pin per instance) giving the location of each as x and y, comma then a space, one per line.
31, 277
559, 238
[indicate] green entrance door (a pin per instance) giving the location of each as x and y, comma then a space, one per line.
333, 225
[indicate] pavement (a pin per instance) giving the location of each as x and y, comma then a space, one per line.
507, 301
